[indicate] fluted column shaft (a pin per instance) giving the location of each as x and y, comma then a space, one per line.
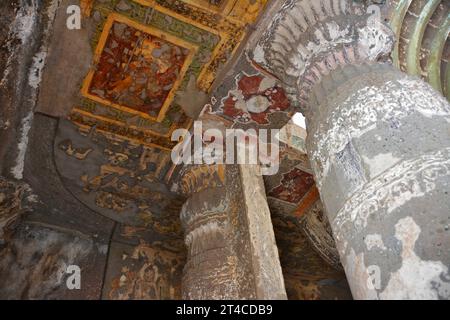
230, 241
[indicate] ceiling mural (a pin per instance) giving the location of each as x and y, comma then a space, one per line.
138, 68
88, 113
174, 41
254, 99
105, 148
113, 151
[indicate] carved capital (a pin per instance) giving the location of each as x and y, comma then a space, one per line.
197, 178
308, 39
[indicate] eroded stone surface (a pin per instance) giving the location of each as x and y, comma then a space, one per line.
384, 152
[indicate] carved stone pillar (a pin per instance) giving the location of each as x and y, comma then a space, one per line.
210, 270
379, 145
230, 241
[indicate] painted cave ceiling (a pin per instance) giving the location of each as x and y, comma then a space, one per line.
118, 89
99, 186
146, 52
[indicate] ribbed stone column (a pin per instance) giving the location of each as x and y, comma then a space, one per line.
379, 145
229, 236
211, 268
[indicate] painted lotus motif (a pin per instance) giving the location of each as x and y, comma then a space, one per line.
254, 99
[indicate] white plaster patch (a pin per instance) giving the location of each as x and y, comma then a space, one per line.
257, 104
416, 279
21, 28
362, 111
374, 241
358, 277
35, 76
258, 55
375, 41
25, 21
267, 83
17, 170
437, 105
411, 179
335, 31
380, 163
